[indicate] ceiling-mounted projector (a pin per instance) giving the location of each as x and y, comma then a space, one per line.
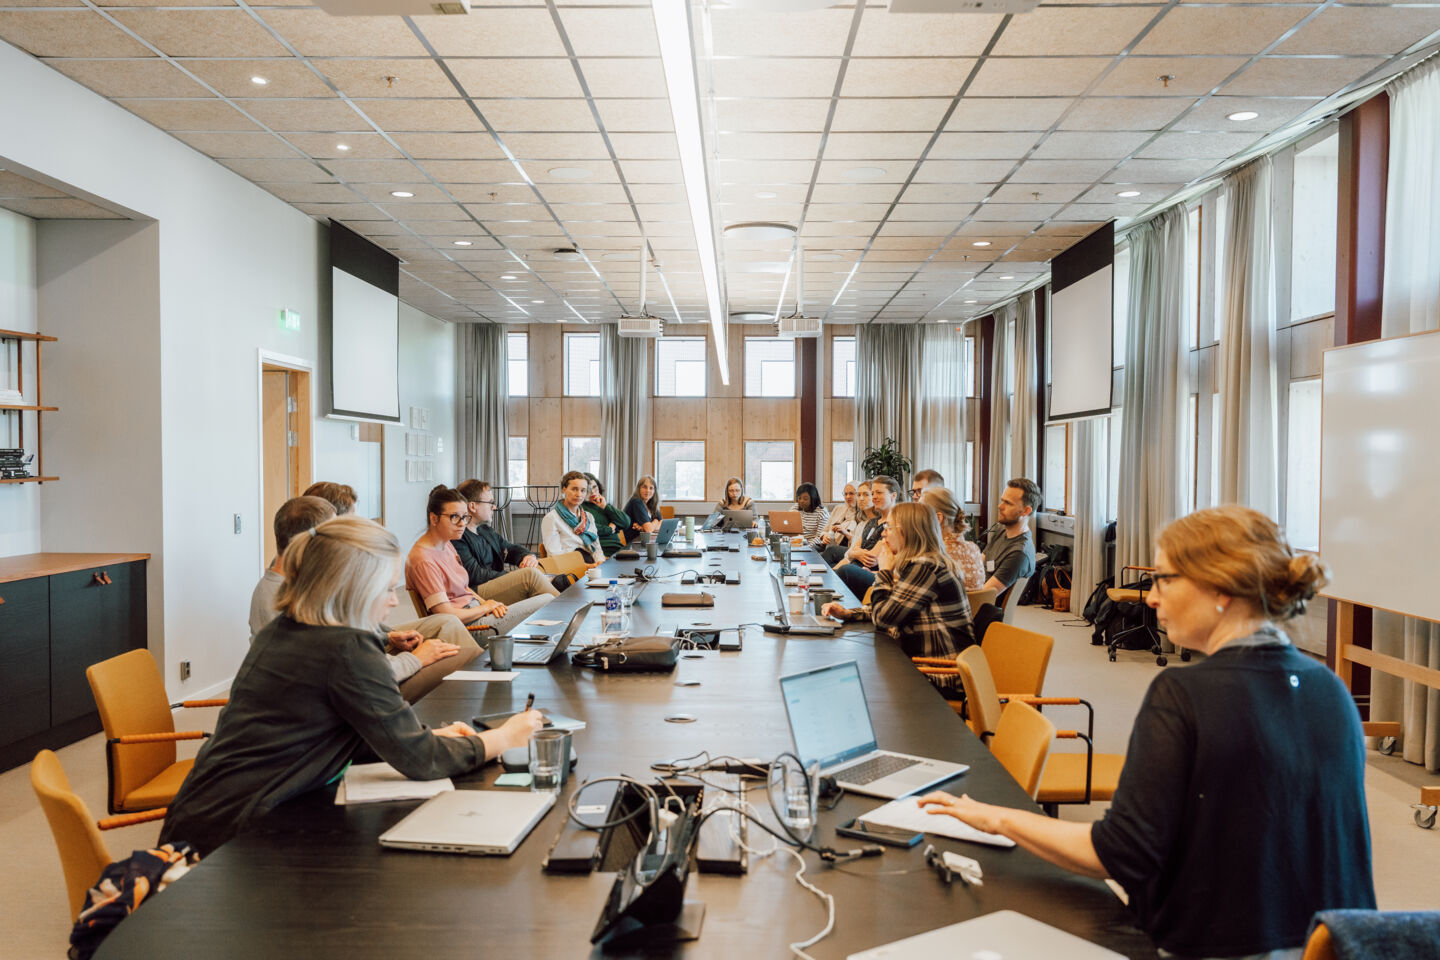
798, 326
963, 6
394, 8
646, 326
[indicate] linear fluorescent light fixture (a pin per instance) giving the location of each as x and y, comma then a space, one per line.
677, 55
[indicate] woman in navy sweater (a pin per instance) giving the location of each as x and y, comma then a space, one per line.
1241, 808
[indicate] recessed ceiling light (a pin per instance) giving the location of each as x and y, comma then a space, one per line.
972, 301
1243, 115
766, 195
569, 173
865, 173
507, 276
342, 146
1007, 278
537, 301
401, 193
259, 81
1128, 193
981, 243
461, 243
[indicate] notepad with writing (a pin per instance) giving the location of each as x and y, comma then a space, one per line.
380, 782
907, 814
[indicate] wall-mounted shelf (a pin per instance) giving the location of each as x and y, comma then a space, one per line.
38, 408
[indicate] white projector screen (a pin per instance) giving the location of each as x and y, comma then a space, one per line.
364, 350
1378, 457
1081, 346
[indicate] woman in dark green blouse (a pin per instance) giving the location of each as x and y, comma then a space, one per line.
609, 519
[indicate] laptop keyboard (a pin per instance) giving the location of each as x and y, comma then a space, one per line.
533, 654
876, 768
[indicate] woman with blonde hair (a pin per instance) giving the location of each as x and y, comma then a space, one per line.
967, 556
918, 598
734, 498
1241, 808
315, 689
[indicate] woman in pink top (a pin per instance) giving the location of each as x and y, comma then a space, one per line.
953, 525
432, 568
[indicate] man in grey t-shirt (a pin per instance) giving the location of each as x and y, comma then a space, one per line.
1009, 552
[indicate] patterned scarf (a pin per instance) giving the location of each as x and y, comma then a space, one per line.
581, 524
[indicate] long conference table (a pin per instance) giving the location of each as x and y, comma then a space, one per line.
310, 880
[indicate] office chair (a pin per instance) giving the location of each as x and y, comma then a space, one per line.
140, 734
979, 597
83, 854
1021, 744
1012, 599
1068, 777
1018, 661
667, 512
1320, 946
571, 563
477, 630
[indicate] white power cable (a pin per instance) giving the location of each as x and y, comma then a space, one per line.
799, 948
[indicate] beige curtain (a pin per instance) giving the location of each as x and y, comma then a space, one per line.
997, 470
941, 404
624, 411
1023, 443
1089, 457
888, 389
481, 417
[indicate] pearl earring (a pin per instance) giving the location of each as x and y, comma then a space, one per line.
1219, 609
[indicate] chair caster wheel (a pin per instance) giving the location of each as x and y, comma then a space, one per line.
1161, 661
1185, 656
1424, 819
1112, 656
1387, 745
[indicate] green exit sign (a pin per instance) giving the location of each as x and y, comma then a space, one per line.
289, 320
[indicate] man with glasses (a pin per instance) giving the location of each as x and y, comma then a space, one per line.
923, 479
484, 553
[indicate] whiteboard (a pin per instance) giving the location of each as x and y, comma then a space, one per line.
1379, 471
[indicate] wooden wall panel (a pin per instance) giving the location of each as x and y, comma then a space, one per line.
840, 418
724, 446
677, 418
518, 413
547, 446
769, 418
547, 367
1307, 347
580, 417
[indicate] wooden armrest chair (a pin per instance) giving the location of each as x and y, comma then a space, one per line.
572, 563
978, 597
1012, 599
83, 854
1022, 744
1018, 659
1320, 946
667, 512
140, 756
476, 629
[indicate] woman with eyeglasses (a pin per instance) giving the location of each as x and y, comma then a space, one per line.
433, 569
314, 691
1241, 808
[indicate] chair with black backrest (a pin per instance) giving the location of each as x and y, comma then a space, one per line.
83, 854
1069, 777
140, 756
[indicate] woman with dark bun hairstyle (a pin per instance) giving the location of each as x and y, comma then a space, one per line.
1241, 808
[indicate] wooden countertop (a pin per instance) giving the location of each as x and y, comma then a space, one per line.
30, 565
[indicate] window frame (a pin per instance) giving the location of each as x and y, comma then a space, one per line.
660, 360
794, 370
659, 473
511, 337
566, 340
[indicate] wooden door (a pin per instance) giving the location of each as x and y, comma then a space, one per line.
275, 449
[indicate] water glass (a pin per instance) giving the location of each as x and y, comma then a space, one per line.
549, 760
802, 794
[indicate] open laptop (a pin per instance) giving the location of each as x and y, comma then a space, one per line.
786, 521
830, 723
1003, 935
475, 822
538, 655
713, 521
738, 519
804, 624
666, 532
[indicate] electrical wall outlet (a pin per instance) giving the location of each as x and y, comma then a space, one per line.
184, 669
237, 523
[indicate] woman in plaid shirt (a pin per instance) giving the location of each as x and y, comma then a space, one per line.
918, 598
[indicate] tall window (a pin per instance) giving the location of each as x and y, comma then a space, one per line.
842, 370
1302, 466
770, 469
842, 467
517, 463
517, 363
680, 367
769, 367
1056, 466
680, 469
1312, 230
582, 364
582, 453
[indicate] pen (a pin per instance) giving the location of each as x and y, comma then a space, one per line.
530, 700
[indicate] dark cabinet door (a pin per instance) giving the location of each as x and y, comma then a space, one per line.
91, 621
24, 658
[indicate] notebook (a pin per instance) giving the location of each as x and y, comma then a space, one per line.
474, 822
1003, 935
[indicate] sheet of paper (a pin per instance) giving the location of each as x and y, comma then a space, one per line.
543, 623
378, 782
494, 676
907, 814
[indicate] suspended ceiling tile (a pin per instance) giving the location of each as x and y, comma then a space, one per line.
372, 171
601, 171
885, 34
189, 114
637, 77
1274, 112
852, 114
428, 116
825, 229
762, 171
494, 32
240, 146
584, 212
1159, 171
1017, 212
944, 192
845, 211
612, 32
1355, 30
1277, 76
202, 33
489, 212
996, 230
982, 146
779, 116
151, 77
1076, 145
304, 115
1100, 211
317, 34
58, 208
1051, 31
894, 77
754, 32
388, 78
449, 146
284, 171
1123, 113
1149, 193
66, 33
927, 229
557, 146
963, 171
769, 146
516, 78
1192, 76
637, 116
848, 171
875, 146
357, 213
538, 115
359, 146
284, 78
1193, 29
1196, 144
771, 78
1037, 76
1006, 113
645, 146
932, 211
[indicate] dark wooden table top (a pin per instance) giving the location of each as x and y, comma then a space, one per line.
310, 879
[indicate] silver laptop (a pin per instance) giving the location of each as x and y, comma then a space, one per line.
739, 519
538, 655
666, 533
475, 822
830, 723
1003, 935
804, 624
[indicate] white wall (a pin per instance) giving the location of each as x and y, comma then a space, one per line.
19, 502
229, 257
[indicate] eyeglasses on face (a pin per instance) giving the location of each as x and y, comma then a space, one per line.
488, 502
455, 518
1158, 579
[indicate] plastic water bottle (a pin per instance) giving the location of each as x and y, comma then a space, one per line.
612, 620
802, 574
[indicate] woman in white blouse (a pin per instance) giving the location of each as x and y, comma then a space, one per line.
568, 527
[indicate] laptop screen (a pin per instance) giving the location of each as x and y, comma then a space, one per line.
782, 611
829, 719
